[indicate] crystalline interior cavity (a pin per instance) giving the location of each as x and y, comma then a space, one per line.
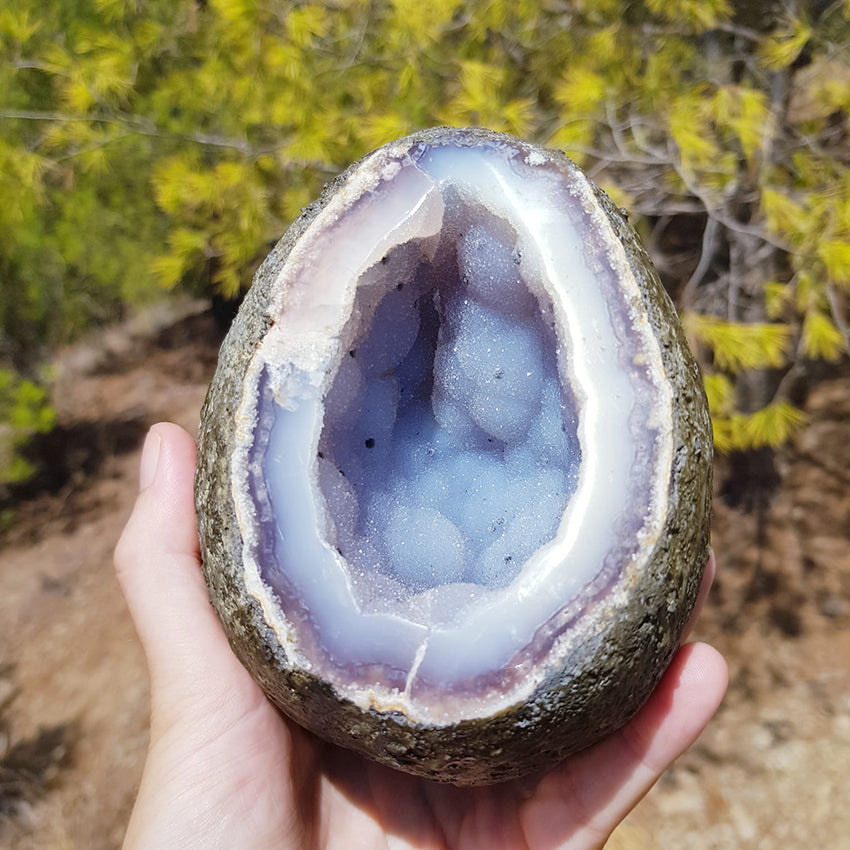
448, 452
455, 415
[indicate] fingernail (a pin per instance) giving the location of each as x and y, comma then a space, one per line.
150, 460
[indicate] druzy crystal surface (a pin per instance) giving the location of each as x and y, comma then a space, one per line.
454, 430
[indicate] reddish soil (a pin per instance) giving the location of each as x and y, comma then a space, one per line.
770, 771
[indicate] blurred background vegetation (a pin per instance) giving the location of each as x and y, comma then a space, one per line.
149, 146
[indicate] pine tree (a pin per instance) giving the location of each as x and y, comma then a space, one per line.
148, 145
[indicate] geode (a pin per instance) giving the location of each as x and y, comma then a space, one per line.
454, 467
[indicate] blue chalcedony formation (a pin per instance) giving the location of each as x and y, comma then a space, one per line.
448, 452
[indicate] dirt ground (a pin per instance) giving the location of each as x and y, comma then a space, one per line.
770, 772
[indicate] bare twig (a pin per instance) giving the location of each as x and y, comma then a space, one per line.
709, 248
135, 125
741, 32
142, 127
837, 317
92, 147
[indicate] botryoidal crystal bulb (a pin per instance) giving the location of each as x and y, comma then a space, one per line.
455, 463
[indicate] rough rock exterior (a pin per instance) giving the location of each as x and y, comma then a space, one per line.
618, 654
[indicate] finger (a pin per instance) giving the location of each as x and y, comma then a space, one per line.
702, 595
582, 802
158, 565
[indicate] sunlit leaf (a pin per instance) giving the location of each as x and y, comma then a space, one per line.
721, 394
821, 339
836, 257
738, 346
780, 50
784, 216
777, 298
580, 92
20, 25
772, 426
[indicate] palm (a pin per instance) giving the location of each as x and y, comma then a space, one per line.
292, 791
225, 769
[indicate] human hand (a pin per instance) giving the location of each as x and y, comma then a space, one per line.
226, 769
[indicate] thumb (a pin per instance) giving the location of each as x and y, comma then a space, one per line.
158, 565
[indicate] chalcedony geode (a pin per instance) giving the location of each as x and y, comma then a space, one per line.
454, 465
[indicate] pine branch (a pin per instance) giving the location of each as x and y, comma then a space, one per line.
137, 125
91, 148
143, 127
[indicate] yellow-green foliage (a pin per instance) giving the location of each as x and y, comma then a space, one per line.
24, 411
167, 143
738, 346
